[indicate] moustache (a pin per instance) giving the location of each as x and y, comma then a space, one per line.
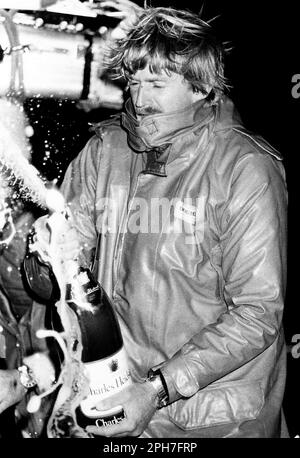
147, 111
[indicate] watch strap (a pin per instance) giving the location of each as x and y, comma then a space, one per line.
26, 377
157, 380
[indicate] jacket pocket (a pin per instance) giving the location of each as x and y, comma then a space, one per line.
224, 403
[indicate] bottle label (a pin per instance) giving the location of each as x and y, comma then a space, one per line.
107, 377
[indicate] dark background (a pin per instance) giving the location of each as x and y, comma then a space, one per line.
260, 68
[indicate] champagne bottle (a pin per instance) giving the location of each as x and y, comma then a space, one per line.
103, 352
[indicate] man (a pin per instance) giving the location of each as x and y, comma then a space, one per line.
188, 210
20, 318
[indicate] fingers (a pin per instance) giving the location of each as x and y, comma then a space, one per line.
63, 235
124, 7
129, 4
110, 408
68, 245
122, 429
40, 229
108, 404
55, 237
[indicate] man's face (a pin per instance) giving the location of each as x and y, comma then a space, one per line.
153, 93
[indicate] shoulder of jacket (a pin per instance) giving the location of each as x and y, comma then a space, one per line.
106, 126
258, 142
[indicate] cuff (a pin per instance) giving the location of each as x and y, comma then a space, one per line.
179, 380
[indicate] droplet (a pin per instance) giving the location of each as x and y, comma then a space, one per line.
34, 404
79, 27
103, 30
29, 131
39, 22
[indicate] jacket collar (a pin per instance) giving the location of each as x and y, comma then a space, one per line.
160, 130
155, 133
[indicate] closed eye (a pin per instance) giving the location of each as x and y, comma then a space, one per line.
133, 83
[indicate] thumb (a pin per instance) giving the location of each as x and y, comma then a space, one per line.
111, 403
40, 229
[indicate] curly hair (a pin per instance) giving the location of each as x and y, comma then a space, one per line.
176, 41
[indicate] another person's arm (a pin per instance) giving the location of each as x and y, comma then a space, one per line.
11, 389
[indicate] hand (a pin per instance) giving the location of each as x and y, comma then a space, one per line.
126, 10
43, 370
139, 404
54, 237
11, 389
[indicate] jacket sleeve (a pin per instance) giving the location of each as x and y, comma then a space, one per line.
79, 190
253, 265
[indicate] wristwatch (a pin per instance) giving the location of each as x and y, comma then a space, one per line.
26, 377
159, 385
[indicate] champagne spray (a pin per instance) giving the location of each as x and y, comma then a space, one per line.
16, 170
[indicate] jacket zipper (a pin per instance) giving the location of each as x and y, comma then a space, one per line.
121, 236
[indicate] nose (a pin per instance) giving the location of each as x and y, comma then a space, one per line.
139, 97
